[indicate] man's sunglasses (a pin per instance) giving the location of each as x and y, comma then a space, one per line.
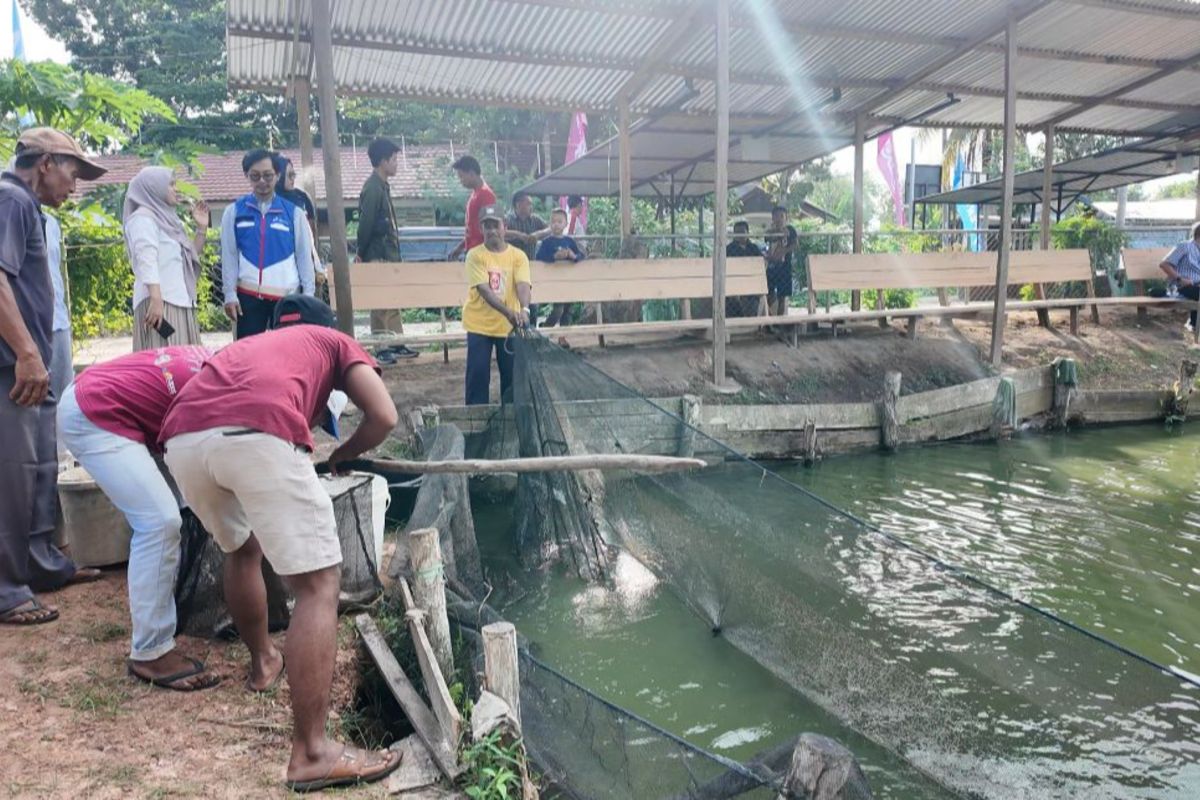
255, 177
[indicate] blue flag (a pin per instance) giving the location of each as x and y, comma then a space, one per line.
27, 120
968, 214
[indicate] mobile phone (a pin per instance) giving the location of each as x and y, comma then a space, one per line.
165, 329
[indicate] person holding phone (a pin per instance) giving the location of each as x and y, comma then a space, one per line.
165, 260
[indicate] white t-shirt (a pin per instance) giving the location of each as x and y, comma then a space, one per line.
157, 258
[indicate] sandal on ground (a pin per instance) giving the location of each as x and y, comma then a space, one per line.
270, 687
170, 681
84, 575
33, 612
352, 768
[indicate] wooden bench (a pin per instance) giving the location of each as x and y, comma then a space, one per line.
386, 285
885, 271
1141, 265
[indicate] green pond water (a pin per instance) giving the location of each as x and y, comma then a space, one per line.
1102, 527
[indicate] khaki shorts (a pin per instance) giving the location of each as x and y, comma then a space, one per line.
239, 481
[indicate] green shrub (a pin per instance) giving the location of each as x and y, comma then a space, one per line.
892, 298
1103, 241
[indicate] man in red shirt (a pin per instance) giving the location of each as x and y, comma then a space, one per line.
482, 196
237, 440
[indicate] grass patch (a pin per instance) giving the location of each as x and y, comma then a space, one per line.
97, 696
37, 690
98, 632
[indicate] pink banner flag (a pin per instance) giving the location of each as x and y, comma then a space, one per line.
576, 147
886, 160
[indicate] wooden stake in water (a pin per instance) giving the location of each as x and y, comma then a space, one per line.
501, 667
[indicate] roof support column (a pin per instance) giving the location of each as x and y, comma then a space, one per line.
625, 168
1198, 194
857, 245
335, 202
302, 89
1006, 207
1047, 190
721, 193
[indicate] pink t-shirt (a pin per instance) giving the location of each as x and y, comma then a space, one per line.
277, 382
130, 395
479, 199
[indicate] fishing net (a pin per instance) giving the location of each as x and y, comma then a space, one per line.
986, 695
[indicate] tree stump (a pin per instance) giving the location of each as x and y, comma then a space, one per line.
1181, 392
1066, 377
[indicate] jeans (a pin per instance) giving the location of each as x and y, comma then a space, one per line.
62, 372
256, 315
133, 480
479, 368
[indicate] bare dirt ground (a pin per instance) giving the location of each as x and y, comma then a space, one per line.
75, 726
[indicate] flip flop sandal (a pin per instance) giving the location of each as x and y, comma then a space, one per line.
344, 773
35, 614
84, 575
168, 681
272, 686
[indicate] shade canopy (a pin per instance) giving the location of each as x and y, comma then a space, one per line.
1126, 67
1142, 160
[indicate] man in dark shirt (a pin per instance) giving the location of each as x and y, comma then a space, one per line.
781, 244
523, 228
378, 234
48, 162
742, 247
557, 246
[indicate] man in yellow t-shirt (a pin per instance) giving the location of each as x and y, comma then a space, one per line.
497, 302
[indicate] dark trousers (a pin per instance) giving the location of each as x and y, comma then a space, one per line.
29, 561
256, 315
479, 367
561, 315
1191, 293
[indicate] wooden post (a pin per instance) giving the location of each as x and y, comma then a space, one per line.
810, 442
501, 667
721, 194
1006, 208
857, 243
690, 414
1182, 391
625, 168
429, 593
822, 769
302, 89
322, 42
888, 418
1197, 216
435, 680
1043, 314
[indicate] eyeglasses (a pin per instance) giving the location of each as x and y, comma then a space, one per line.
255, 177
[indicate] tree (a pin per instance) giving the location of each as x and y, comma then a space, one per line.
101, 113
174, 51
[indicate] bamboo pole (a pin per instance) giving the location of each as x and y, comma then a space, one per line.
482, 466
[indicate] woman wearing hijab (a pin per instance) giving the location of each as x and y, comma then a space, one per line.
288, 190
166, 262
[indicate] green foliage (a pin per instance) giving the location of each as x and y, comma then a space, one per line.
100, 112
1179, 190
98, 273
1102, 240
493, 769
892, 298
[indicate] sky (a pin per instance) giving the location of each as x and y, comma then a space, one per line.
39, 46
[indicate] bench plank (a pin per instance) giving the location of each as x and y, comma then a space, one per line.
1141, 264
930, 270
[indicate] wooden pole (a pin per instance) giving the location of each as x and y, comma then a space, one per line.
303, 92
334, 196
1197, 216
857, 243
481, 466
501, 667
1047, 189
429, 593
721, 193
1010, 120
889, 420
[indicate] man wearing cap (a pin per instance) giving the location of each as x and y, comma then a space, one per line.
497, 301
47, 164
266, 249
238, 442
1182, 266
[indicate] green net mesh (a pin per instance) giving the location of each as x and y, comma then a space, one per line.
986, 695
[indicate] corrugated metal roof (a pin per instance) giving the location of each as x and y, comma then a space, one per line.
1133, 162
1136, 61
